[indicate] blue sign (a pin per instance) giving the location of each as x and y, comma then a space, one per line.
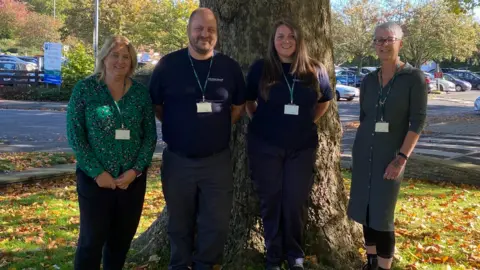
52, 63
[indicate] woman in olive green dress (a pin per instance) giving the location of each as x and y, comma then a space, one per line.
111, 128
393, 104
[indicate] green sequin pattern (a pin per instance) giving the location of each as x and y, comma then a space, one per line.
93, 117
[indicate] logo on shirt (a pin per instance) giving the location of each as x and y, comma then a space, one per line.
215, 79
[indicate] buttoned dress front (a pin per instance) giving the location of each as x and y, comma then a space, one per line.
404, 110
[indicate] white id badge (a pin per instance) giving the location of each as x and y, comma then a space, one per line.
291, 109
122, 134
204, 107
381, 127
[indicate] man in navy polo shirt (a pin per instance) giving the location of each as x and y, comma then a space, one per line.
198, 94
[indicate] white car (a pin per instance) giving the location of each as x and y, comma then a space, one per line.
477, 105
346, 92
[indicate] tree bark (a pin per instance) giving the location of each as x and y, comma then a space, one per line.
331, 239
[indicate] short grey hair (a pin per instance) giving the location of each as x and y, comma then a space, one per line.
392, 27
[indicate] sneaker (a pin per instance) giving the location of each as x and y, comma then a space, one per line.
298, 265
273, 267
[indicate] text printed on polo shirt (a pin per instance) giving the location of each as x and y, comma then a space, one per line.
215, 79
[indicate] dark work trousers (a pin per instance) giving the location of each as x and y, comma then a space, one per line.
283, 180
108, 221
198, 193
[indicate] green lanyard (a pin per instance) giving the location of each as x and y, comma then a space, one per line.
291, 88
204, 88
381, 102
116, 103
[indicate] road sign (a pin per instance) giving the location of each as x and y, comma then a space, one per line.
52, 63
438, 75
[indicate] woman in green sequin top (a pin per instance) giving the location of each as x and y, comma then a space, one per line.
111, 128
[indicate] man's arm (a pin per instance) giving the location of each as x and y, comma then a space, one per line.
159, 112
237, 112
251, 107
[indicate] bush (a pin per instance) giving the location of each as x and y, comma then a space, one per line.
80, 64
39, 93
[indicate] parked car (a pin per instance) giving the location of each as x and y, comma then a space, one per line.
444, 70
10, 58
346, 92
460, 85
477, 105
443, 85
348, 77
8, 70
431, 86
468, 76
366, 70
30, 59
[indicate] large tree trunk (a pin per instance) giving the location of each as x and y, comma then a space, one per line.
331, 238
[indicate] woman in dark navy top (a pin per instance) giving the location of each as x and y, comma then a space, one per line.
287, 93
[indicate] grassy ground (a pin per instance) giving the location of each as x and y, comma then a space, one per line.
437, 225
11, 162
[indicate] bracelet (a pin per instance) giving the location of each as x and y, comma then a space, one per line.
403, 155
137, 173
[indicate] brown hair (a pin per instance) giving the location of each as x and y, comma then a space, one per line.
109, 44
303, 66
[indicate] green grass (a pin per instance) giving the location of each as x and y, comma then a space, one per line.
39, 224
20, 161
436, 225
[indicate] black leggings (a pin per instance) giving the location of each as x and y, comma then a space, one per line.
384, 241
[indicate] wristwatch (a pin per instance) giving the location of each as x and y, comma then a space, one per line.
137, 173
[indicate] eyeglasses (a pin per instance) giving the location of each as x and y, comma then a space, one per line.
386, 41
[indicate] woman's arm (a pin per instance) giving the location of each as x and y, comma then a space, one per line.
417, 117
77, 133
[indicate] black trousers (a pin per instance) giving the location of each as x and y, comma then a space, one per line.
198, 193
384, 241
108, 222
283, 180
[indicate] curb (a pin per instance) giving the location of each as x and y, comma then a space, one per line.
54, 172
435, 170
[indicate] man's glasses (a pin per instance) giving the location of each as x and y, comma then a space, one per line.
386, 41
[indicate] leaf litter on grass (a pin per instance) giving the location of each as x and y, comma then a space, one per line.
437, 225
20, 161
39, 221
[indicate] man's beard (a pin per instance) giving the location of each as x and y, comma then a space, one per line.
199, 49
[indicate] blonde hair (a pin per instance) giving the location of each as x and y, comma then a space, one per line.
107, 47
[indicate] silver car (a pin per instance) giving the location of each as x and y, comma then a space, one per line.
443, 85
346, 92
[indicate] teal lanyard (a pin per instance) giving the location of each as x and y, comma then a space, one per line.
116, 103
204, 88
291, 88
383, 100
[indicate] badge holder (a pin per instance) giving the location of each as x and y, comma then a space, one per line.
204, 107
382, 126
291, 109
122, 134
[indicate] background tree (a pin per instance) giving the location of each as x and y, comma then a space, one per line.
352, 30
331, 238
433, 32
37, 30
46, 7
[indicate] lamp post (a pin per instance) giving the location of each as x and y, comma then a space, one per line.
95, 30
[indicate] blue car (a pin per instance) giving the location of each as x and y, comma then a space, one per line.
346, 77
460, 85
468, 76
